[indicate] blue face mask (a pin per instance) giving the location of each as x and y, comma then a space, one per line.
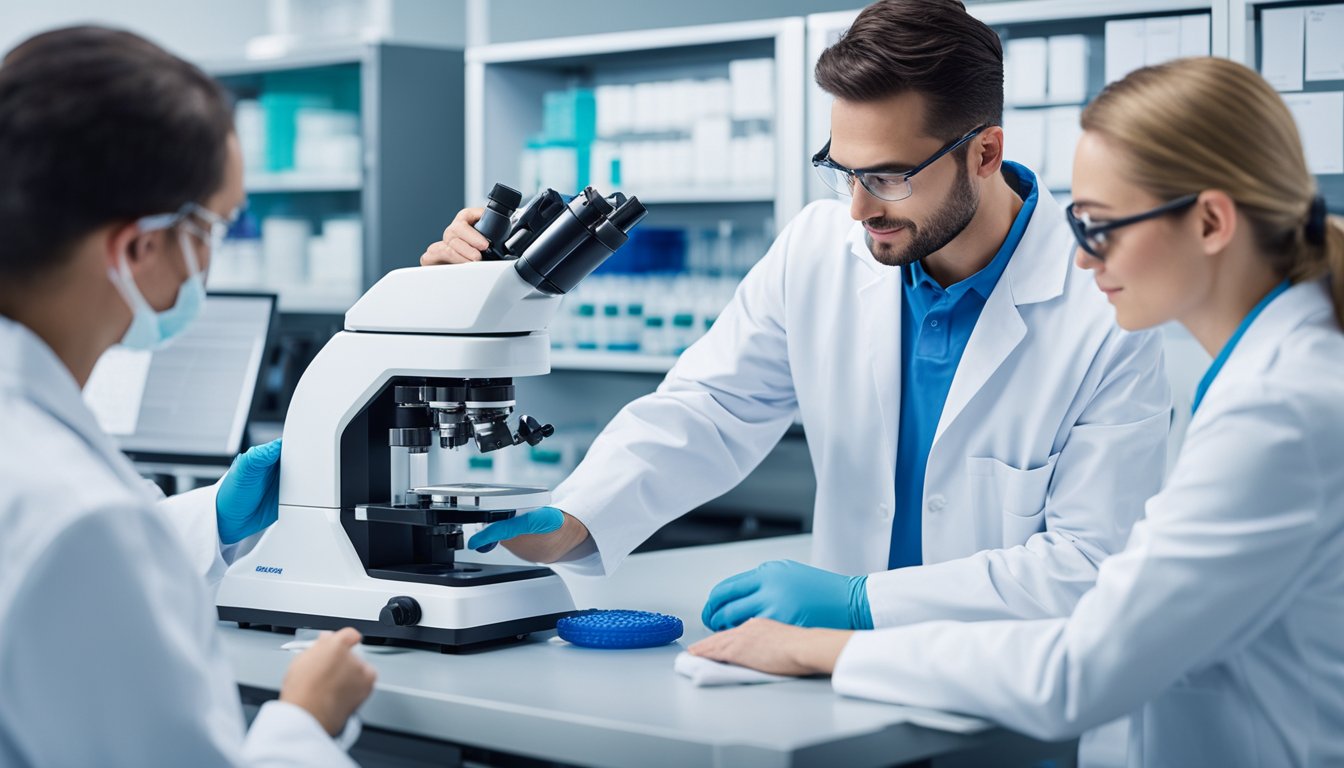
151, 330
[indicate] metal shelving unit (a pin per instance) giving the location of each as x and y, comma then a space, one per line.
693, 196
406, 187
298, 181
506, 85
626, 362
408, 183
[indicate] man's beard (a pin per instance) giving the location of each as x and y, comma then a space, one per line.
955, 213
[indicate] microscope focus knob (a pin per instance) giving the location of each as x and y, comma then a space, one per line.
533, 431
400, 612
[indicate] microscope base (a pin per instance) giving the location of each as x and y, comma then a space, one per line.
444, 640
304, 573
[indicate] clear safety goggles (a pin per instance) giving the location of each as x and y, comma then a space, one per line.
882, 183
201, 222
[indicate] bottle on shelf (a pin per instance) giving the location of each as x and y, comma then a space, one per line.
657, 296
682, 137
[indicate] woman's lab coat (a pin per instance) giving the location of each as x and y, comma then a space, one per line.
1052, 436
1221, 624
108, 648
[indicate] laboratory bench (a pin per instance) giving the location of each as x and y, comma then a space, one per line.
545, 702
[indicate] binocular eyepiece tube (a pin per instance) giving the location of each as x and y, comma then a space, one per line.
557, 245
494, 224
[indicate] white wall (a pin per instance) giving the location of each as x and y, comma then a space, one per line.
215, 29
205, 30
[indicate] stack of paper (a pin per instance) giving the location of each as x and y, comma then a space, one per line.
1324, 31
1281, 47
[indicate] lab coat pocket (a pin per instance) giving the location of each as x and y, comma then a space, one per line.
1016, 497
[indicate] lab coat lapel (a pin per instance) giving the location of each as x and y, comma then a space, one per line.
1305, 302
997, 333
880, 313
1036, 272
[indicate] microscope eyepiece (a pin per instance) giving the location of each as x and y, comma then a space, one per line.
590, 207
578, 239
494, 224
628, 213
504, 199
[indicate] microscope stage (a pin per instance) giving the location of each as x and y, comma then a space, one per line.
481, 496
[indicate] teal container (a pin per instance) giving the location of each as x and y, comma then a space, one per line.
585, 131
280, 108
284, 93
569, 118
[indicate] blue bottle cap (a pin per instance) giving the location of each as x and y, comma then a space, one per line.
619, 629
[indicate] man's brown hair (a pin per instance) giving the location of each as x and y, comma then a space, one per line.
932, 47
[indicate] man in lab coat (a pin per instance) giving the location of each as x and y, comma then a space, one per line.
982, 434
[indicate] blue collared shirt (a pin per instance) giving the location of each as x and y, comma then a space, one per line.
936, 324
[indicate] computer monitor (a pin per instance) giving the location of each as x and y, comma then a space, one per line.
189, 402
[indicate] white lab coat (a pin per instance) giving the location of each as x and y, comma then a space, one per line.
108, 647
1225, 611
1052, 436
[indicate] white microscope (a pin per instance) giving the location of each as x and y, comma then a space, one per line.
365, 537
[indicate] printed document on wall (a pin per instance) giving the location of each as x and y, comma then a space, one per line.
1320, 121
1281, 44
1325, 32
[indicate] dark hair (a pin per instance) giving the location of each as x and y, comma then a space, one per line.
932, 47
98, 126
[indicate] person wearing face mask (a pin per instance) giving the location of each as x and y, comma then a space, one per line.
1221, 624
120, 175
983, 437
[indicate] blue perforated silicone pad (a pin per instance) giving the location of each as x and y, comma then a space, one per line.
619, 629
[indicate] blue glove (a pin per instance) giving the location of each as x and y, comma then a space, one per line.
249, 495
544, 520
790, 592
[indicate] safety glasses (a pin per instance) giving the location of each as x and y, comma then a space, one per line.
1092, 236
881, 183
205, 224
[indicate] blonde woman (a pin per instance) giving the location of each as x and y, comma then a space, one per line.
1221, 624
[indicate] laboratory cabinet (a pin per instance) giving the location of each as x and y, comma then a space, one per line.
352, 156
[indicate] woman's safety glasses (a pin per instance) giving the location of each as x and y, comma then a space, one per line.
1092, 235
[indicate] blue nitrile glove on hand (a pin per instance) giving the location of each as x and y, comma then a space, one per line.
249, 495
543, 520
790, 592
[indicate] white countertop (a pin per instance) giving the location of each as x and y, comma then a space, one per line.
547, 699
